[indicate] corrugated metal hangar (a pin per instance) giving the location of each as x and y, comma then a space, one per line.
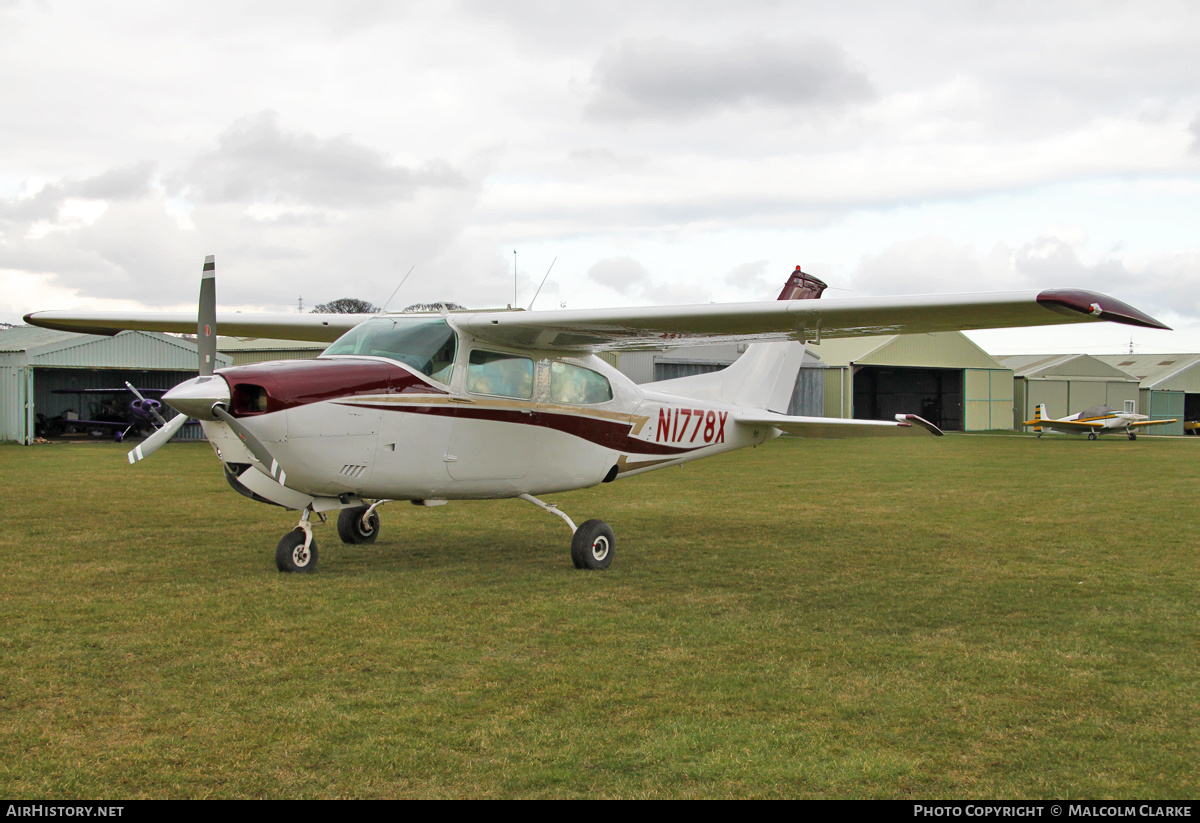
1066, 384
47, 375
242, 350
1168, 386
943, 377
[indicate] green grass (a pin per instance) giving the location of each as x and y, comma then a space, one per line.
969, 617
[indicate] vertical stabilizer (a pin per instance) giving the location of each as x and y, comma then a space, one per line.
1039, 414
764, 377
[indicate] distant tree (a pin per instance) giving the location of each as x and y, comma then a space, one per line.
418, 307
346, 305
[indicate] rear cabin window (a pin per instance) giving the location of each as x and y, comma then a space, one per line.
578, 386
427, 344
504, 375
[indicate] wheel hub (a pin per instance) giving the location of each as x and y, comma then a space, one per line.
600, 547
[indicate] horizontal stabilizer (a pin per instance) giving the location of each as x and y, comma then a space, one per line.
835, 427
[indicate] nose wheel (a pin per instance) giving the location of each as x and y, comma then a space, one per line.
296, 552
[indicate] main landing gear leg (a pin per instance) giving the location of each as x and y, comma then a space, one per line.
297, 551
593, 543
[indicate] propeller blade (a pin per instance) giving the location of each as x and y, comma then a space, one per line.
206, 347
161, 420
253, 444
150, 445
206, 319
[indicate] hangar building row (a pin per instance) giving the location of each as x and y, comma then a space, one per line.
944, 377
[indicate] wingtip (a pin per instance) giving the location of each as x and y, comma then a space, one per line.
1100, 306
912, 419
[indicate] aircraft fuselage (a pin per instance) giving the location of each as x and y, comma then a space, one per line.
373, 427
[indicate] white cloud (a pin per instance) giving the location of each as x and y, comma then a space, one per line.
322, 150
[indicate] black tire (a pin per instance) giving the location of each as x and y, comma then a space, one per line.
350, 525
290, 556
592, 546
1091, 435
1133, 435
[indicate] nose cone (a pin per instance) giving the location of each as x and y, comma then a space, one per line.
196, 397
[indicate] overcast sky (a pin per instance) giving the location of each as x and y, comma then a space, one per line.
663, 152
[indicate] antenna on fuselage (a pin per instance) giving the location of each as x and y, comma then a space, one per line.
539, 288
389, 300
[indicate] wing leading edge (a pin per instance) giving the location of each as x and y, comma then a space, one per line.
634, 328
321, 328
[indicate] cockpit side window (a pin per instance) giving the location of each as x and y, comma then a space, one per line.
426, 344
578, 386
505, 375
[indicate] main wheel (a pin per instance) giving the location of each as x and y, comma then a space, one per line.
1133, 435
1091, 435
351, 528
291, 556
592, 546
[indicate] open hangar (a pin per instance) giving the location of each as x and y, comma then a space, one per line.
45, 373
1168, 386
943, 377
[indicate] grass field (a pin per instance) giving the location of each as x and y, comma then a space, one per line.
972, 617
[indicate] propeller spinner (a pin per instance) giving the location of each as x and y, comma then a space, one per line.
206, 396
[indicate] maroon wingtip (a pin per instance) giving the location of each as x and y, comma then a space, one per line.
1100, 306
910, 419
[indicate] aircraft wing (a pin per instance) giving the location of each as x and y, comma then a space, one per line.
321, 328
1153, 422
639, 328
832, 427
1069, 425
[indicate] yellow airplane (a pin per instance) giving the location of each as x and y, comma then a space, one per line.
1092, 421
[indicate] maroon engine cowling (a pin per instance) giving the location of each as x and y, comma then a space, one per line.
261, 388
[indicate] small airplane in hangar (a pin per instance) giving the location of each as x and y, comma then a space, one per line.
109, 409
1094, 421
430, 408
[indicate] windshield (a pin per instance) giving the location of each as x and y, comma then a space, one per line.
427, 344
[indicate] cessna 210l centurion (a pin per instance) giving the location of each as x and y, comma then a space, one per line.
1094, 421
512, 404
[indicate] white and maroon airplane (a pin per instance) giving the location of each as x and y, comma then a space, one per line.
511, 404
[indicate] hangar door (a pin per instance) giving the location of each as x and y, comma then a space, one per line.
882, 392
